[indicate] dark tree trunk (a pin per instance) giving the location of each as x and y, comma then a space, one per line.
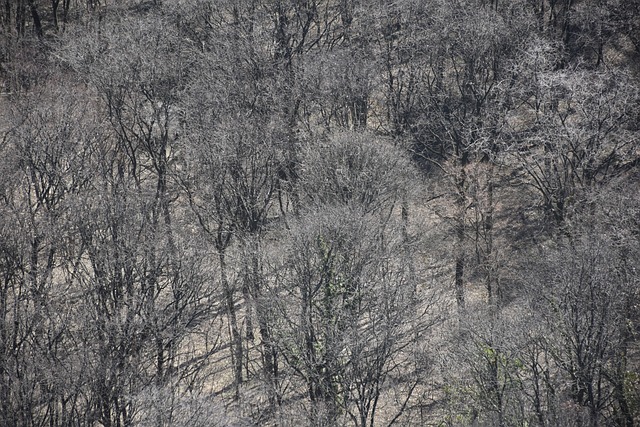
37, 24
460, 240
236, 338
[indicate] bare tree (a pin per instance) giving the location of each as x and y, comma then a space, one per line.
45, 170
347, 313
578, 135
344, 302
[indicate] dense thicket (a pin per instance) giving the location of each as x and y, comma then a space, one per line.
320, 212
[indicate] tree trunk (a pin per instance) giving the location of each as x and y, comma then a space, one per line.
493, 292
37, 24
460, 240
54, 12
236, 338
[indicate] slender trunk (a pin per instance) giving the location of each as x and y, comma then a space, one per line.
460, 241
6, 20
20, 17
269, 355
270, 367
54, 12
6, 416
359, 112
306, 321
625, 417
65, 12
404, 213
37, 24
236, 338
248, 278
537, 397
246, 294
493, 293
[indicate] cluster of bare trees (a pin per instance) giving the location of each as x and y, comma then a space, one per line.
320, 213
